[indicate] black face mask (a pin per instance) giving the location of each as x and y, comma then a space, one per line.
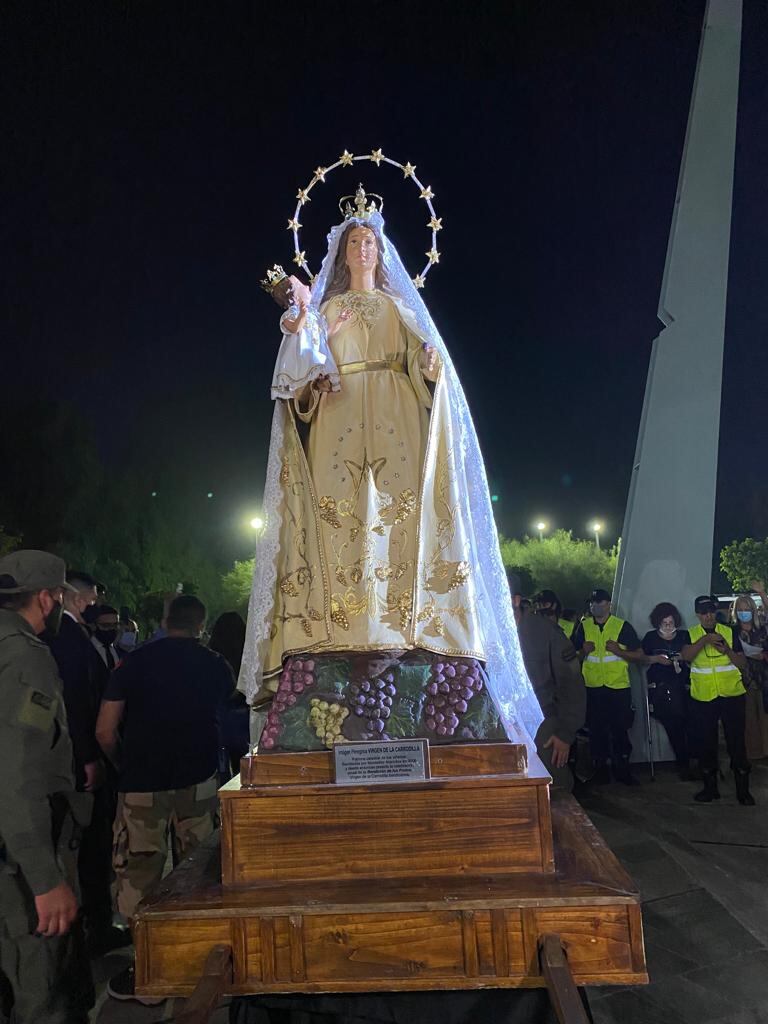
53, 622
106, 636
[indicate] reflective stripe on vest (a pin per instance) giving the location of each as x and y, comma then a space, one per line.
601, 668
713, 676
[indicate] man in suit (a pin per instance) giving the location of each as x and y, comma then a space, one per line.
84, 676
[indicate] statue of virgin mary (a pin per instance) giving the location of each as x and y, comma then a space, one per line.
380, 606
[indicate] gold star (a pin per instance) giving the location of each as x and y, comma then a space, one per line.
408, 170
434, 256
346, 159
320, 173
303, 196
427, 193
436, 224
377, 156
293, 224
419, 280
299, 259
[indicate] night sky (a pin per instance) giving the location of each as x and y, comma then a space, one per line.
152, 151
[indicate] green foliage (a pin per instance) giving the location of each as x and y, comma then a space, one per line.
236, 586
572, 568
525, 581
743, 561
8, 542
60, 496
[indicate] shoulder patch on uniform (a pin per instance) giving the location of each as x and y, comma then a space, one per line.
37, 710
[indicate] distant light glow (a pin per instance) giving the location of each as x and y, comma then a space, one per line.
154, 494
209, 494
494, 497
257, 522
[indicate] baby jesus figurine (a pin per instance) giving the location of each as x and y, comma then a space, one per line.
303, 356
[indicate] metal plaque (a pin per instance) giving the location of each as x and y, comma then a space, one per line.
381, 761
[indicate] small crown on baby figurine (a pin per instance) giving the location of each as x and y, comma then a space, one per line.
360, 210
273, 278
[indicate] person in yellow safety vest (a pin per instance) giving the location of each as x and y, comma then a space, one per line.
606, 644
567, 621
717, 695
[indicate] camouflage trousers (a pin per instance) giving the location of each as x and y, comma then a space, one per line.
149, 826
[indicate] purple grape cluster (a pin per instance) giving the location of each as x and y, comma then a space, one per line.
452, 687
296, 677
371, 699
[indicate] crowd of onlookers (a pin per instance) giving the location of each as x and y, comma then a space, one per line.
155, 726
696, 677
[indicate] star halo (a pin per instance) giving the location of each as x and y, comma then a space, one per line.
377, 157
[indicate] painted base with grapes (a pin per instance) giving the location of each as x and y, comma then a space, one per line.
326, 699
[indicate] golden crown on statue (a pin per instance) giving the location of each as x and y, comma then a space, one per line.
360, 208
273, 278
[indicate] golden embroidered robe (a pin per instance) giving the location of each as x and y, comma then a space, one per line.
372, 552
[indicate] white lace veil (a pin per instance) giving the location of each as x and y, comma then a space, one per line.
507, 680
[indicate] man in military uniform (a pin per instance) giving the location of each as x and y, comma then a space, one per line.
44, 970
553, 668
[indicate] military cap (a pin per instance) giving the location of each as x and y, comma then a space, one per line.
28, 571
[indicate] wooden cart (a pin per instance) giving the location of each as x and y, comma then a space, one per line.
471, 879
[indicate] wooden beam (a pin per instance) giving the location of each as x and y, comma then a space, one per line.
216, 977
563, 993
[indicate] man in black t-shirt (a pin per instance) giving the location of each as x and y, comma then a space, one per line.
158, 724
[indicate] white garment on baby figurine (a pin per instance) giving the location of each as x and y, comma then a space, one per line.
303, 357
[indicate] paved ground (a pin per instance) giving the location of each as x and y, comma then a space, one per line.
703, 873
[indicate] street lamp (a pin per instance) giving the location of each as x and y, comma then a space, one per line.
257, 523
541, 527
596, 527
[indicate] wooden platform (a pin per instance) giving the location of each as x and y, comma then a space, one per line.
471, 930
486, 811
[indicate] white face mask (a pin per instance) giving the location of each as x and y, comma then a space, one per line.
127, 641
667, 632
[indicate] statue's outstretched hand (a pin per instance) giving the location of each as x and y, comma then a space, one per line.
336, 325
323, 383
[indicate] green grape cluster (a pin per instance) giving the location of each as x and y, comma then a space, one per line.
327, 719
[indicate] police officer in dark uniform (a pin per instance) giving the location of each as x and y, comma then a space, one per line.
44, 969
553, 667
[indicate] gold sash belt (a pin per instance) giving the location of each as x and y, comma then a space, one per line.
365, 365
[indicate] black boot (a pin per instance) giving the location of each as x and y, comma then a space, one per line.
745, 798
622, 773
710, 791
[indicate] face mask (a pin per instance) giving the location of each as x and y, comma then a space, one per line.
667, 634
53, 621
127, 641
106, 636
744, 616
